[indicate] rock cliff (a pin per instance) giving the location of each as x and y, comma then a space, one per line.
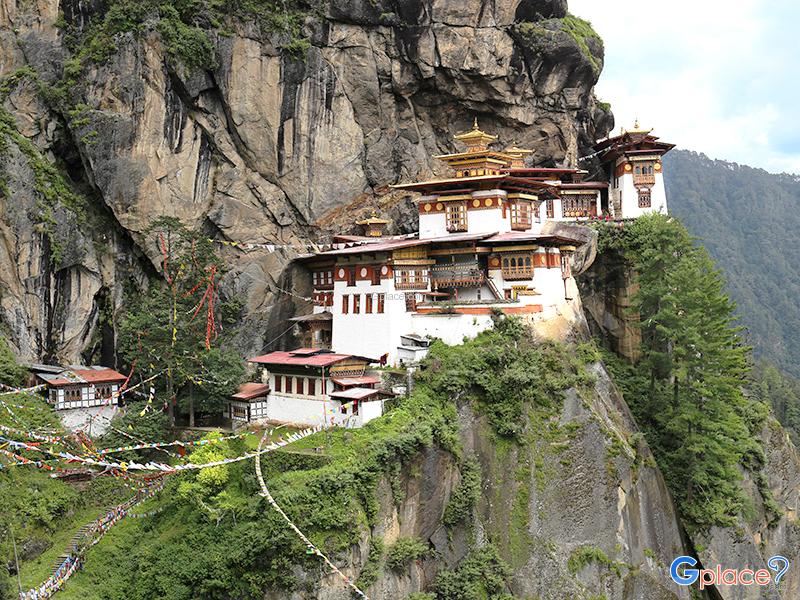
264, 141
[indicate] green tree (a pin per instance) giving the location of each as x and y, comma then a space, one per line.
173, 331
692, 371
11, 372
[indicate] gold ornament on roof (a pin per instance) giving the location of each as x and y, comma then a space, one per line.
475, 140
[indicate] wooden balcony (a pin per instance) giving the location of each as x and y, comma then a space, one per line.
458, 275
649, 179
411, 285
517, 273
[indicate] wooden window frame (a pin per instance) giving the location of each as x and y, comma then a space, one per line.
517, 267
644, 197
521, 215
351, 276
345, 304
368, 304
278, 386
356, 304
456, 216
381, 303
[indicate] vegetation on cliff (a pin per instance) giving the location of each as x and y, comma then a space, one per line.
687, 390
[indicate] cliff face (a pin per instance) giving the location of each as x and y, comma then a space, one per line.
577, 511
260, 147
606, 291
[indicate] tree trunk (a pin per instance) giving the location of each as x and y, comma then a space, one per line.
191, 404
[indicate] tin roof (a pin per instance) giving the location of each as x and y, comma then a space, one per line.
249, 390
355, 381
357, 393
79, 375
305, 357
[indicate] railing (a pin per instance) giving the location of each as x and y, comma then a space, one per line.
458, 274
521, 272
411, 285
642, 179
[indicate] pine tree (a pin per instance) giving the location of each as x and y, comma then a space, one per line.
173, 331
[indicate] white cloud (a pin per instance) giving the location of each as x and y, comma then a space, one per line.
709, 75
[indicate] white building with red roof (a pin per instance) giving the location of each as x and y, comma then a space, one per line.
79, 386
310, 386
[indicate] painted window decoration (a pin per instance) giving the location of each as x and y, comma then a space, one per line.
456, 214
644, 198
411, 279
521, 215
579, 206
644, 174
517, 266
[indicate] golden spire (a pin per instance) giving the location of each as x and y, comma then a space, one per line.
517, 155
373, 225
475, 140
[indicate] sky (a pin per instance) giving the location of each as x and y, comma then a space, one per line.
720, 77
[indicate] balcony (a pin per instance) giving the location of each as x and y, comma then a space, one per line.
458, 275
411, 285
643, 179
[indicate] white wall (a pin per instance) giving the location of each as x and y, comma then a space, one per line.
370, 335
288, 409
630, 197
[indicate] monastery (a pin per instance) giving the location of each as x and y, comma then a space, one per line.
488, 243
483, 246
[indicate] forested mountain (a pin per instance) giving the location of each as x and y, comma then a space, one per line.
748, 220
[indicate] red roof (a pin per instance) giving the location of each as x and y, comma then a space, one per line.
351, 381
322, 358
100, 375
524, 236
248, 391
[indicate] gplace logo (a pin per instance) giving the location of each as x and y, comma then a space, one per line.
682, 573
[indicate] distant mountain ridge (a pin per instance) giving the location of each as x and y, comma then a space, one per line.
748, 219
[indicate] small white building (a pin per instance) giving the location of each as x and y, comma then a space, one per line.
79, 386
635, 171
310, 386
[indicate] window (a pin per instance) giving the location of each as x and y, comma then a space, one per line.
411, 279
411, 302
287, 384
381, 303
550, 209
644, 198
521, 215
456, 214
517, 266
277, 383
368, 305
345, 304
298, 385
356, 303
351, 276
376, 275
583, 205
312, 387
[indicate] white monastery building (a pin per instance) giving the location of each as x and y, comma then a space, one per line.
485, 245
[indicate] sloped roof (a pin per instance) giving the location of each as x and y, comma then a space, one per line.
305, 357
357, 393
250, 390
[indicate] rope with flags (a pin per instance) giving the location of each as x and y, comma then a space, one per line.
312, 549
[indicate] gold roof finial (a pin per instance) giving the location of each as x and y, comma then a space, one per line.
475, 140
